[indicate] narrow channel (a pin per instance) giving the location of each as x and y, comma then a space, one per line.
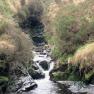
45, 85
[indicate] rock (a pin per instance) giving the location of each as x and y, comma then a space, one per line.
65, 88
38, 74
34, 66
23, 84
45, 65
20, 80
35, 72
59, 71
28, 84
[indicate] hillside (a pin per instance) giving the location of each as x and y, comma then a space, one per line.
65, 26
15, 47
72, 29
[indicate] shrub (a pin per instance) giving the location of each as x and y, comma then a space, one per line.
72, 30
15, 45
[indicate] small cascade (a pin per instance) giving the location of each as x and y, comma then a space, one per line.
45, 86
40, 67
48, 71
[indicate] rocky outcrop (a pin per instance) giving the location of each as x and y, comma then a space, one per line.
45, 65
35, 72
23, 84
20, 80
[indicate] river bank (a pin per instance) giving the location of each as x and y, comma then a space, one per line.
46, 86
73, 86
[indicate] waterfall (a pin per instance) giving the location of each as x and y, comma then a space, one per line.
45, 86
48, 71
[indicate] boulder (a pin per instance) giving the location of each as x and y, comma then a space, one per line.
20, 80
35, 72
23, 84
27, 84
34, 66
38, 74
45, 65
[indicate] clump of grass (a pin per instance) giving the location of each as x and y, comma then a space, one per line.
85, 55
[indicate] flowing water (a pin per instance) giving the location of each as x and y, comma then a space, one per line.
46, 86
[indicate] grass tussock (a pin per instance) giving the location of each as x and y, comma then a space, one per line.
85, 55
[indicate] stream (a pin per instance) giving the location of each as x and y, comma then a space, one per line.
46, 86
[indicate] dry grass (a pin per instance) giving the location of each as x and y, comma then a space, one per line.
14, 5
15, 44
85, 55
53, 11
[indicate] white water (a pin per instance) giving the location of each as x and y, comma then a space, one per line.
45, 86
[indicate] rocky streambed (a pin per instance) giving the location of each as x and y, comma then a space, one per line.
46, 86
36, 80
